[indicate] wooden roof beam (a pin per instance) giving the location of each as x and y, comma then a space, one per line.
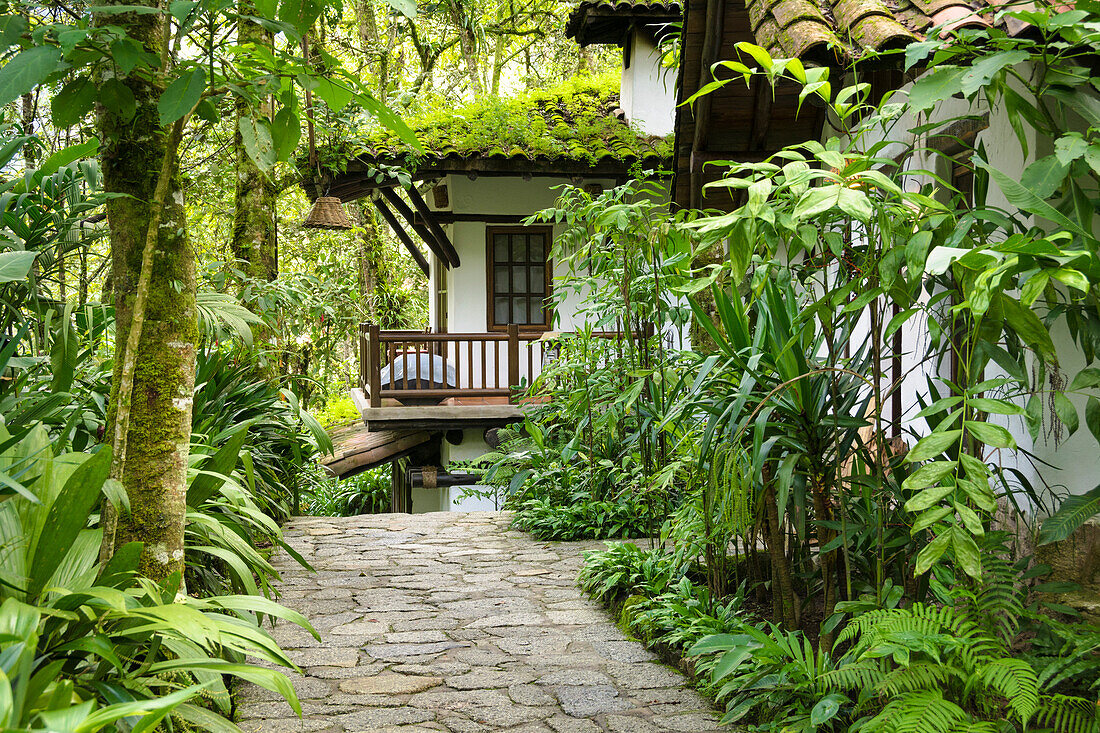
399, 230
712, 43
433, 225
403, 209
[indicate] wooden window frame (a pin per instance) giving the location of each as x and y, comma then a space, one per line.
490, 315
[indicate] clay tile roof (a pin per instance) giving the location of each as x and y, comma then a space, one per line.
828, 31
607, 21
579, 120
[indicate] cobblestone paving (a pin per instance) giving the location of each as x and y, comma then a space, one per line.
453, 622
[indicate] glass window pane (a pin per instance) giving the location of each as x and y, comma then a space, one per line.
536, 312
538, 279
519, 311
538, 253
519, 279
519, 248
500, 311
500, 248
500, 279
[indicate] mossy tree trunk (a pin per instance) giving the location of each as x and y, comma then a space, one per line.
132, 156
255, 240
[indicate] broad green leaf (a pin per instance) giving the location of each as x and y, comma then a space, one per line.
128, 55
1072, 278
970, 520
990, 434
982, 71
1026, 200
1086, 378
933, 445
1066, 412
26, 70
75, 100
335, 94
979, 493
257, 142
286, 131
1044, 176
67, 516
118, 99
996, 407
301, 14
1074, 512
928, 497
928, 474
182, 95
929, 517
1092, 417
217, 467
967, 554
405, 7
1028, 327
931, 553
826, 708
14, 266
11, 28
940, 259
934, 87
1069, 148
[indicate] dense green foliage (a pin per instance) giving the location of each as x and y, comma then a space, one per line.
364, 493
87, 643
873, 588
573, 120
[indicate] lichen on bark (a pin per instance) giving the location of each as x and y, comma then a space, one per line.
154, 473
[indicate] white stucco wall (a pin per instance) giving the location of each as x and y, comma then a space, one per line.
648, 91
467, 293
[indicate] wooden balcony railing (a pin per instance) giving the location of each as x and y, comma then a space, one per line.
426, 368
430, 367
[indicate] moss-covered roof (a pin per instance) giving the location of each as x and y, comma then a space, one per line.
606, 21
579, 120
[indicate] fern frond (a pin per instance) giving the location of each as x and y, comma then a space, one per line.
918, 676
920, 712
855, 676
1066, 714
1016, 682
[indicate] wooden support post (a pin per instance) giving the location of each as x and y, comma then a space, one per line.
397, 488
513, 360
375, 374
364, 359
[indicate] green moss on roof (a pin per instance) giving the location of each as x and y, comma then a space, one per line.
577, 120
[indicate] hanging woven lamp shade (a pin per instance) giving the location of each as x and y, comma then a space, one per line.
327, 213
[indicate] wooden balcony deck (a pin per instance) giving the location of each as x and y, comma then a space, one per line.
416, 380
464, 412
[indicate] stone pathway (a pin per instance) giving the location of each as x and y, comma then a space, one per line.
453, 622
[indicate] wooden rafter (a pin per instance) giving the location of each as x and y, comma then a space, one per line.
403, 209
433, 225
399, 230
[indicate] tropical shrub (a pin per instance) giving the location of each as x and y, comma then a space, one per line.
364, 493
85, 644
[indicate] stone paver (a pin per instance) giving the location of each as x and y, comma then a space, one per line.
453, 622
